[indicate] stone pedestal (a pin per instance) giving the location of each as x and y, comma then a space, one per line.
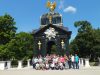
81, 62
8, 64
99, 61
19, 64
2, 65
87, 63
28, 63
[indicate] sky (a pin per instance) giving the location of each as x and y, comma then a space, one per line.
27, 12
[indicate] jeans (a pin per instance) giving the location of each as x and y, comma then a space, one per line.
77, 65
69, 63
66, 64
73, 65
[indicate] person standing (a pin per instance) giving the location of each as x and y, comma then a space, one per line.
72, 61
33, 63
66, 61
76, 61
69, 61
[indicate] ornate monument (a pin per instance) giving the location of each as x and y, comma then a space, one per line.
51, 33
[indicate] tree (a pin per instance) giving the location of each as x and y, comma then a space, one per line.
7, 32
53, 49
22, 45
87, 41
83, 42
73, 47
96, 43
3, 52
7, 29
12, 45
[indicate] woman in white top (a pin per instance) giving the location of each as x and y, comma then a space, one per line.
47, 66
61, 65
37, 67
52, 66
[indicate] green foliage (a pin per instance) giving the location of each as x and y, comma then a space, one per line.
7, 29
73, 47
87, 41
53, 49
19, 48
14, 46
22, 45
96, 43
14, 63
84, 26
5, 53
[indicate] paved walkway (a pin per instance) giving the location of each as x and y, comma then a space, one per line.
30, 71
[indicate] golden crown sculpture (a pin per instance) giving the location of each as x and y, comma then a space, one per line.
51, 5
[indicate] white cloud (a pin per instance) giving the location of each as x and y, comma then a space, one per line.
70, 9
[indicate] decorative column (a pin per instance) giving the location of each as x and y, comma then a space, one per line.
81, 62
8, 64
58, 42
20, 64
43, 48
67, 44
99, 61
87, 62
28, 63
2, 65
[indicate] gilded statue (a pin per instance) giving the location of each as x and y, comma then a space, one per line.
51, 5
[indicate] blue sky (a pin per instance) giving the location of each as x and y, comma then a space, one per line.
27, 12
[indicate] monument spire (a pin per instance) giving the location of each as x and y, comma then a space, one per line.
51, 6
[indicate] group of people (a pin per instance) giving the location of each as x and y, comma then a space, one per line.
55, 62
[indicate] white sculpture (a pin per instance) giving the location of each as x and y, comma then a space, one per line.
50, 33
